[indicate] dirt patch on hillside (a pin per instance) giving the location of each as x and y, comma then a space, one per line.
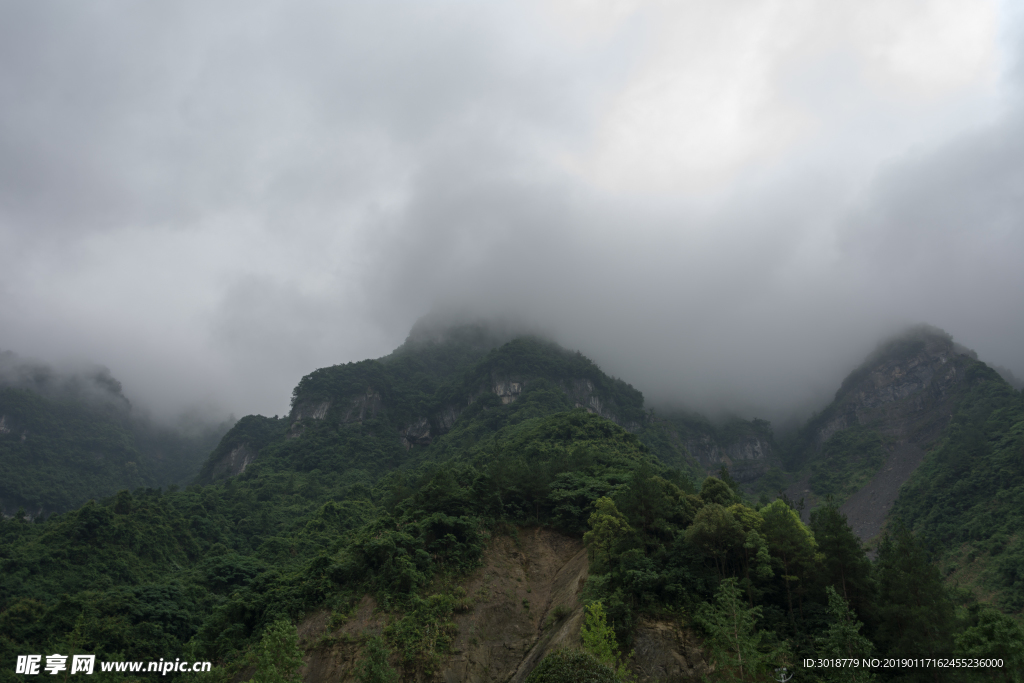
523, 582
333, 654
666, 652
524, 602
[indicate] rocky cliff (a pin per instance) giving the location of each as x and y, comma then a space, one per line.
901, 398
241, 446
745, 448
417, 394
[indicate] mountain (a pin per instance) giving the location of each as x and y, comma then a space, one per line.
462, 384
967, 498
66, 437
369, 417
885, 416
462, 508
926, 434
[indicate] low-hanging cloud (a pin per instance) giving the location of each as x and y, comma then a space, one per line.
215, 200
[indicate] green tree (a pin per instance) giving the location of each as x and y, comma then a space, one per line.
374, 666
757, 564
645, 502
599, 640
738, 650
993, 634
843, 640
715, 532
572, 666
845, 564
713, 490
792, 543
608, 528
278, 656
915, 610
756, 557
726, 478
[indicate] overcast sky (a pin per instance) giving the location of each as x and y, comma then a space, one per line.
726, 204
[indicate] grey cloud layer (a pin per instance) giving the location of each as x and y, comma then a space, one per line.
213, 202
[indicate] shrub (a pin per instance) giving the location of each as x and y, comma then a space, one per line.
572, 666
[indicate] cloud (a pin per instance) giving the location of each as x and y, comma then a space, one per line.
724, 204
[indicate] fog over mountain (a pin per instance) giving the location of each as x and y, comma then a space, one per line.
726, 204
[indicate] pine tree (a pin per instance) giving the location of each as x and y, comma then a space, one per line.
736, 647
845, 564
914, 607
843, 640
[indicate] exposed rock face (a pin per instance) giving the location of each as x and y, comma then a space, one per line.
447, 417
416, 434
507, 390
900, 391
421, 431
310, 411
867, 509
235, 462
356, 410
747, 456
241, 446
907, 391
581, 393
366, 406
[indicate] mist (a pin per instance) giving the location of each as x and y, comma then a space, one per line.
727, 206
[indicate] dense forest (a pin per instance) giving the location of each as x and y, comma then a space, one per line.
392, 478
66, 437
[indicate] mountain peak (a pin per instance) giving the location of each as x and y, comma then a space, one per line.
916, 345
482, 334
93, 383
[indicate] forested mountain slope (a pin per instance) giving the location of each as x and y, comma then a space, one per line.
403, 552
967, 499
886, 415
925, 433
370, 417
66, 438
